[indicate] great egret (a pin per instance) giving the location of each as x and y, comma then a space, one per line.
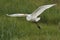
34, 16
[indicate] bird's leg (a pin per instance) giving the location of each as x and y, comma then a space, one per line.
37, 25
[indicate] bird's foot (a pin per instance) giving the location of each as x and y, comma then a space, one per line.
39, 27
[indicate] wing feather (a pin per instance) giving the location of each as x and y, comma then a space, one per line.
17, 15
41, 9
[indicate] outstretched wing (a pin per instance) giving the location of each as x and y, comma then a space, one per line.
17, 15
41, 9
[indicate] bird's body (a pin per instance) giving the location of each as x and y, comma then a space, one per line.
34, 16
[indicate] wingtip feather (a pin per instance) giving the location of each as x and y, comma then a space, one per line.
7, 14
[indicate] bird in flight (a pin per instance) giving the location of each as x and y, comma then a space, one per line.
33, 17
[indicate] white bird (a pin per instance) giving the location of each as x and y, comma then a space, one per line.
34, 16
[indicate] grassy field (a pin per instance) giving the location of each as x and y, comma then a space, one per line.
20, 29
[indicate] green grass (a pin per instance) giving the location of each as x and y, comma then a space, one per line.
20, 29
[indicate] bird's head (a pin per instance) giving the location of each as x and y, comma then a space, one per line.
28, 17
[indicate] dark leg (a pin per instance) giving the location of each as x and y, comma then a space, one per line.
37, 25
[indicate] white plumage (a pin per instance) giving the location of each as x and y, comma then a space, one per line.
34, 16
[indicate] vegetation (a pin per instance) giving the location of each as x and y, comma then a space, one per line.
20, 29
